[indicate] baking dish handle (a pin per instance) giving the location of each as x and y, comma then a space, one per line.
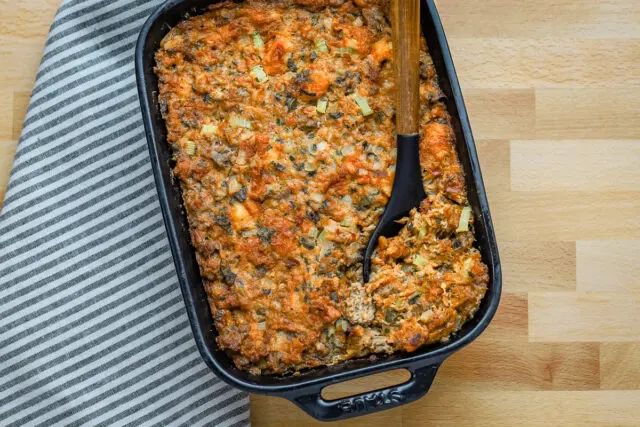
367, 403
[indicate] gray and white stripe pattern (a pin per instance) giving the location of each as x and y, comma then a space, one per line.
93, 329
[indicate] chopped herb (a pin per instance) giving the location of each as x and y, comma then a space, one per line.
223, 221
335, 115
390, 316
313, 216
292, 65
444, 268
303, 77
292, 104
265, 234
334, 296
313, 56
307, 242
228, 275
187, 124
278, 166
413, 299
241, 195
207, 98
365, 202
261, 271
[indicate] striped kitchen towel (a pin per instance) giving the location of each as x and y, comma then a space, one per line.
93, 330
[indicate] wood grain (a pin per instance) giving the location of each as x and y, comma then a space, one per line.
588, 113
525, 408
551, 165
515, 366
608, 265
553, 93
519, 63
405, 19
542, 19
566, 216
538, 266
584, 317
620, 366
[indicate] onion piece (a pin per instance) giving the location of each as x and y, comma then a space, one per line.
342, 325
465, 216
209, 130
363, 104
317, 197
347, 150
321, 44
321, 107
241, 160
190, 148
239, 122
347, 51
234, 186
257, 40
258, 73
419, 261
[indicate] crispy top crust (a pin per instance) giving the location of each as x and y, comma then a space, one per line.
281, 120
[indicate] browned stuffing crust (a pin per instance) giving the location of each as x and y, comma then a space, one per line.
281, 119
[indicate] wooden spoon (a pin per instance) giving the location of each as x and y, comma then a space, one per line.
408, 189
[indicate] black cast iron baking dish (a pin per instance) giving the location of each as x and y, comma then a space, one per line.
304, 390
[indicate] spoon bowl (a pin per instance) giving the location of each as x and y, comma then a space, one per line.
408, 188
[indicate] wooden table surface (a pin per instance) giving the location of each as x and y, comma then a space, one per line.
553, 91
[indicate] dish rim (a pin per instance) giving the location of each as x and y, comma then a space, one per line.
295, 386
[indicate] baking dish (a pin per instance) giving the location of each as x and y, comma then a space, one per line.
305, 389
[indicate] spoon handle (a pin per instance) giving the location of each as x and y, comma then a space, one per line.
406, 48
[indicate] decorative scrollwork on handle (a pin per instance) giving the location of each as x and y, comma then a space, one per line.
374, 399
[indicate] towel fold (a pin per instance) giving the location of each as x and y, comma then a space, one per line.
93, 330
